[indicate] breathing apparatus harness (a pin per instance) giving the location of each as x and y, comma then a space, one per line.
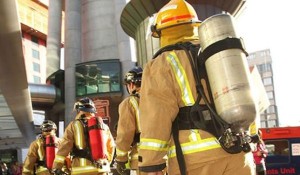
43, 163
204, 116
86, 153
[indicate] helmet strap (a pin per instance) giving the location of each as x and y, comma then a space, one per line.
132, 88
154, 30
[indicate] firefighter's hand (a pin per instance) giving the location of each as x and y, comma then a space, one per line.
121, 168
58, 172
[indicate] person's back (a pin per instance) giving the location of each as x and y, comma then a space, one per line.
128, 130
168, 93
91, 149
36, 159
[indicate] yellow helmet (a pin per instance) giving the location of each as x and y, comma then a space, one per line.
176, 12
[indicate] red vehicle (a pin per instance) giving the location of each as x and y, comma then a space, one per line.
283, 144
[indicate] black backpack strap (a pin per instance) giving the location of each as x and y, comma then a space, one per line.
179, 153
224, 44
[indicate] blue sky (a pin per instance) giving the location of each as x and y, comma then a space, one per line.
274, 25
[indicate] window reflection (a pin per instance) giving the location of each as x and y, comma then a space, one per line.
98, 77
278, 151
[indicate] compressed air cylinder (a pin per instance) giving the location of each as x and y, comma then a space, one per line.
50, 151
228, 74
79, 136
96, 138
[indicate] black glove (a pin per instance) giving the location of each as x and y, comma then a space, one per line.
59, 172
121, 168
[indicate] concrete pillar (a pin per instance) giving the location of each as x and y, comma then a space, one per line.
21, 153
123, 42
72, 53
54, 36
99, 35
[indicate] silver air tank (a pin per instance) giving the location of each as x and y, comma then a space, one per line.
228, 74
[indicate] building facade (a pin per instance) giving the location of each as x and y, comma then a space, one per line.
263, 61
96, 53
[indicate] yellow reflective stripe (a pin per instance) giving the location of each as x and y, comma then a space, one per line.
41, 169
182, 79
121, 153
153, 144
59, 159
82, 162
195, 135
89, 169
40, 151
137, 112
198, 146
134, 156
127, 165
25, 170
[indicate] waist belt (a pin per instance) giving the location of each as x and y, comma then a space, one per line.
81, 154
41, 163
194, 117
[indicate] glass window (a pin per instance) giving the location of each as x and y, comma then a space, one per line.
264, 67
267, 81
98, 77
36, 67
271, 109
35, 54
36, 79
263, 124
270, 95
272, 123
278, 151
35, 41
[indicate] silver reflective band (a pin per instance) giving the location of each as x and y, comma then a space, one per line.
182, 80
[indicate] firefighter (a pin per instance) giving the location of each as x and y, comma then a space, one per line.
36, 160
168, 87
128, 130
91, 146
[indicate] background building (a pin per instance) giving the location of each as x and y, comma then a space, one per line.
263, 61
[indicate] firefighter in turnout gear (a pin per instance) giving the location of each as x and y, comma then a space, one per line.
89, 142
168, 89
128, 130
40, 153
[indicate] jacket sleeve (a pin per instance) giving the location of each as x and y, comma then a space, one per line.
158, 108
64, 147
126, 130
110, 145
31, 158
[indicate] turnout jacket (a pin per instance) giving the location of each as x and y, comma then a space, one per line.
128, 130
81, 165
36, 157
169, 84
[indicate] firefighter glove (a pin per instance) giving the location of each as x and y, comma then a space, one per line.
121, 167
